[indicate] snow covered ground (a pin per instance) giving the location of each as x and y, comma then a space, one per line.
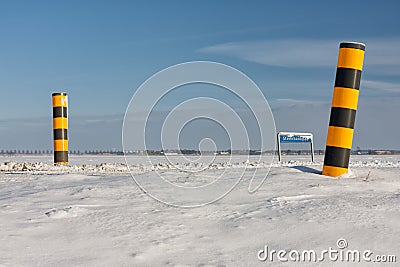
92, 213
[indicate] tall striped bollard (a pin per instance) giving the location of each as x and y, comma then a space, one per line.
60, 128
343, 111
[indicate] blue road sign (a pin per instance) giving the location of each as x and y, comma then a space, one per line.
295, 139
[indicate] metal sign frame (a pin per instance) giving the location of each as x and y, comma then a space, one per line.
293, 137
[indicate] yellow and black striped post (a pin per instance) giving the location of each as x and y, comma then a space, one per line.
343, 111
60, 128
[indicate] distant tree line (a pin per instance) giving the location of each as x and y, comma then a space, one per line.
189, 152
50, 152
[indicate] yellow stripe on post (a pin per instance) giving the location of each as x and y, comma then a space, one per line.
62, 162
345, 98
60, 101
333, 171
340, 137
350, 58
60, 145
60, 123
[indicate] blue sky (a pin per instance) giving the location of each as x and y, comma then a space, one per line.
101, 51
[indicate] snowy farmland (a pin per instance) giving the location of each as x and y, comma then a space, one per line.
91, 213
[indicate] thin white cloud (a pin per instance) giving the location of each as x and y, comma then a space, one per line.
290, 103
306, 52
381, 86
285, 53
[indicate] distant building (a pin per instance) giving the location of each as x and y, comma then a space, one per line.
383, 152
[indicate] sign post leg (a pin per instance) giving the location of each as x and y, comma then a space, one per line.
279, 148
312, 150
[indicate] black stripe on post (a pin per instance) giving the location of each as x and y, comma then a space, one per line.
353, 45
337, 157
342, 117
60, 112
60, 156
54, 94
60, 134
349, 78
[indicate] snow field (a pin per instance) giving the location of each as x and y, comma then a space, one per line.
94, 215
